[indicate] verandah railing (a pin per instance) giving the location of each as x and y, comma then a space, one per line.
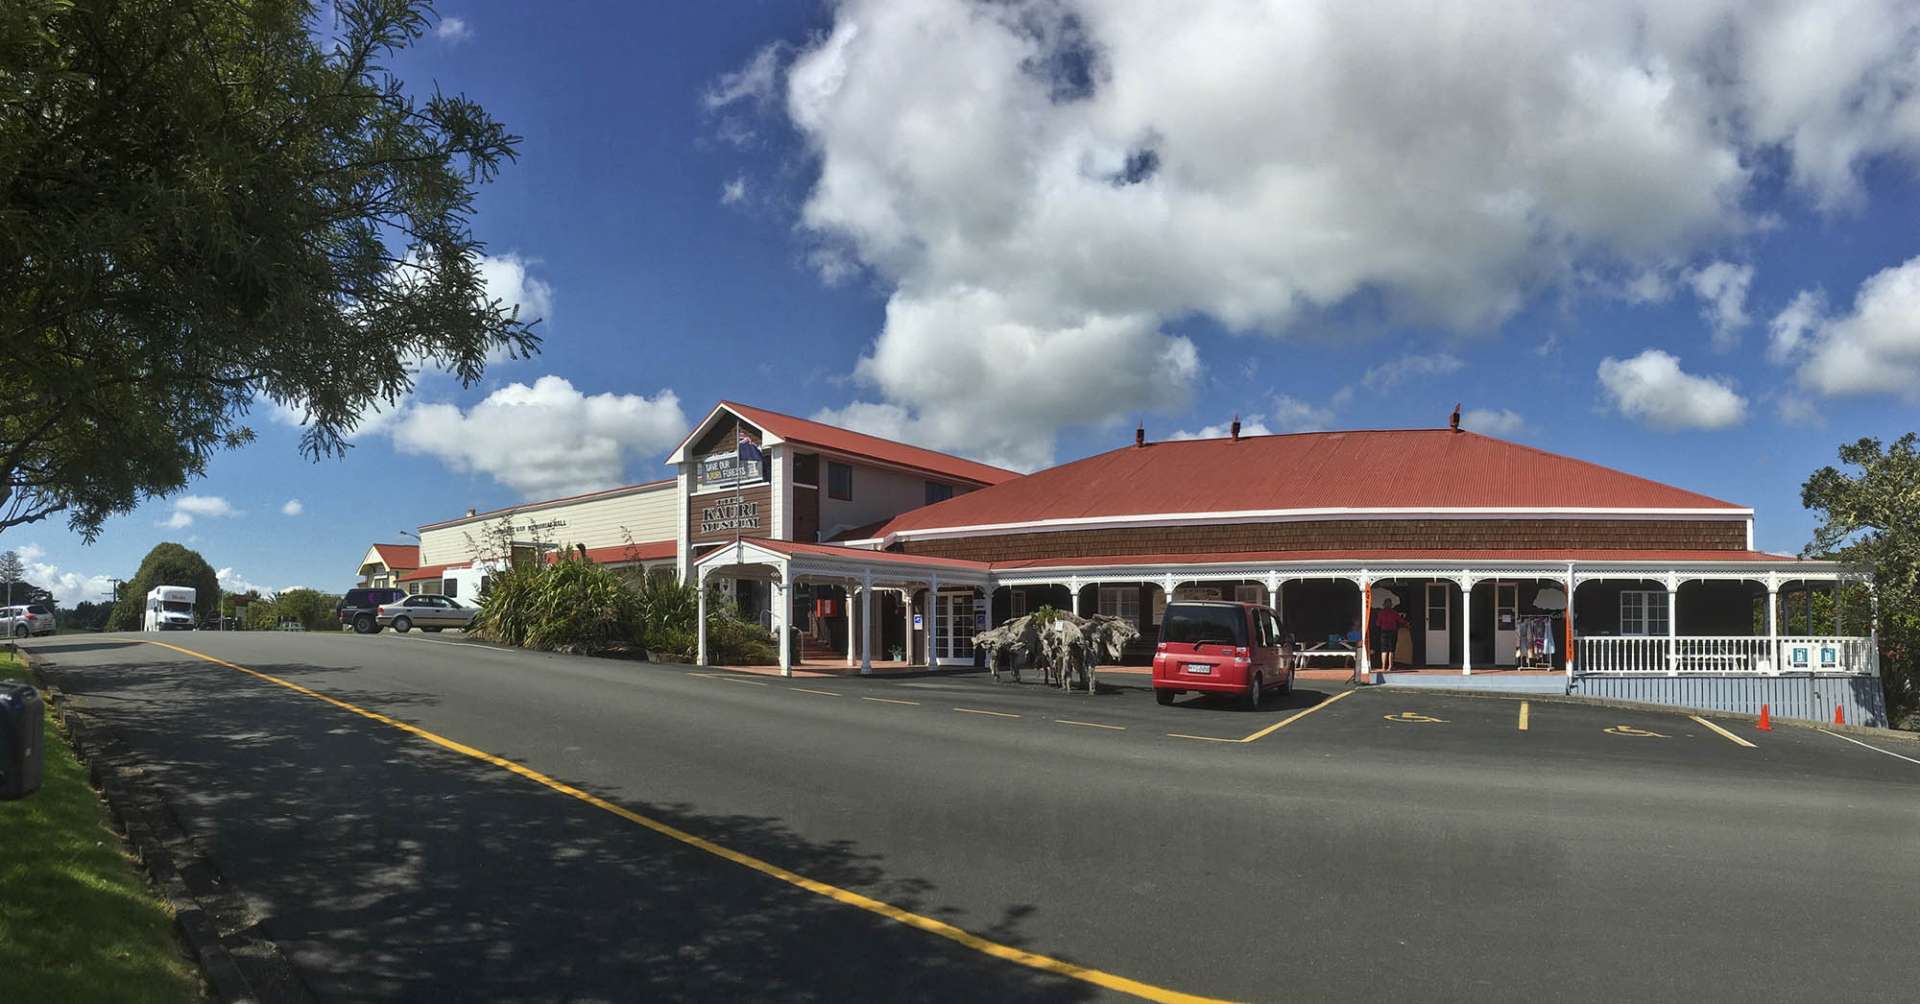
1695, 654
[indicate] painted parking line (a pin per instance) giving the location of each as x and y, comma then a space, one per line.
822, 693
1524, 706
888, 700
977, 711
1271, 729
735, 679
1091, 725
847, 897
1724, 734
1876, 749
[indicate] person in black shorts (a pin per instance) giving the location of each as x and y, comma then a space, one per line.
1387, 623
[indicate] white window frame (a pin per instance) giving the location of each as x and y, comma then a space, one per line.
1649, 613
1116, 601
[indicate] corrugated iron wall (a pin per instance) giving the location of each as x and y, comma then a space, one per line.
1803, 696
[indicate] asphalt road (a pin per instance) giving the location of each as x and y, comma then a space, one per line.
1389, 844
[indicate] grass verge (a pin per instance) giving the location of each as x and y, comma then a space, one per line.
77, 920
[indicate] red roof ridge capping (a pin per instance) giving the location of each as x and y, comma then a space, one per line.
1410, 470
808, 432
398, 556
552, 501
793, 547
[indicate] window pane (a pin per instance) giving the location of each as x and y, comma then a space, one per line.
839, 481
450, 587
1195, 624
937, 492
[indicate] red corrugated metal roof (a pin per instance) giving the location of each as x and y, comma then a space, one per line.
398, 556
651, 550
427, 572
1390, 469
810, 433
1578, 555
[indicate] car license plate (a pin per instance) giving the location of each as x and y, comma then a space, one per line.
1204, 668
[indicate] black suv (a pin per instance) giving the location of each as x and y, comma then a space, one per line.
359, 606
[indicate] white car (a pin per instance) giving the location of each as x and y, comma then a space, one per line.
426, 611
22, 621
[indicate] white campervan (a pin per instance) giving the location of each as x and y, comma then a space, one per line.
169, 608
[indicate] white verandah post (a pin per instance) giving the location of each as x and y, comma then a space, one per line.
1567, 657
933, 622
783, 608
866, 622
852, 591
1363, 661
700, 653
1466, 624
906, 624
1773, 620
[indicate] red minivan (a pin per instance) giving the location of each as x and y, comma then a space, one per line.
1221, 648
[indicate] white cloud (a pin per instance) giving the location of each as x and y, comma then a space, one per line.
453, 30
1291, 414
1503, 423
1400, 368
1252, 425
293, 507
548, 439
1872, 349
1722, 289
1112, 166
756, 82
68, 588
1794, 410
187, 508
233, 582
1652, 388
1790, 327
509, 282
734, 191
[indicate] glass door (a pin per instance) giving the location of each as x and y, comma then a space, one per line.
953, 616
1439, 648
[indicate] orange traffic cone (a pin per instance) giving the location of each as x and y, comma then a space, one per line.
1839, 714
1766, 720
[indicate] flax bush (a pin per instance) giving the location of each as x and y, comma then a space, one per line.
569, 606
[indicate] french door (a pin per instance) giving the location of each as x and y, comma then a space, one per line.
953, 617
1439, 623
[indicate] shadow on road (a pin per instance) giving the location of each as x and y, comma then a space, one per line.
388, 868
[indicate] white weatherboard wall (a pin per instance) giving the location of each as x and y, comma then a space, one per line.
878, 493
644, 515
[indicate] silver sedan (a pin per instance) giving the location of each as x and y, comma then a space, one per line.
425, 611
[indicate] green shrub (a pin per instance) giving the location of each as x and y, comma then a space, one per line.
667, 614
733, 641
568, 606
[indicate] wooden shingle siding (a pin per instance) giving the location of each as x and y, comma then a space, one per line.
1356, 534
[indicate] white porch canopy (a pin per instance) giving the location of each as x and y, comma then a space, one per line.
1774, 573
783, 564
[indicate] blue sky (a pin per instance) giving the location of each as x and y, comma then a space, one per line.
1673, 239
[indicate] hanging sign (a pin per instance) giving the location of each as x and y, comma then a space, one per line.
735, 512
723, 469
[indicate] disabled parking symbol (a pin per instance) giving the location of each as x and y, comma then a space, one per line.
1628, 730
1412, 716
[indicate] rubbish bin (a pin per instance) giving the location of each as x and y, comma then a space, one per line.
22, 727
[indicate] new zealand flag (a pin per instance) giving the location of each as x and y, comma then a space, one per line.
746, 449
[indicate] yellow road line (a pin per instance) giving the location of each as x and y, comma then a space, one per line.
1091, 725
1008, 953
1276, 726
977, 711
1523, 715
822, 693
888, 700
1728, 736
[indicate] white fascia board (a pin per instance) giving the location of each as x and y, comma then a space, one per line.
1296, 515
679, 454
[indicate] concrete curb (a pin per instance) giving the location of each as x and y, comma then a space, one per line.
180, 871
1672, 709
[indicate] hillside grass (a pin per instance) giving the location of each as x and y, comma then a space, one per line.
78, 921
